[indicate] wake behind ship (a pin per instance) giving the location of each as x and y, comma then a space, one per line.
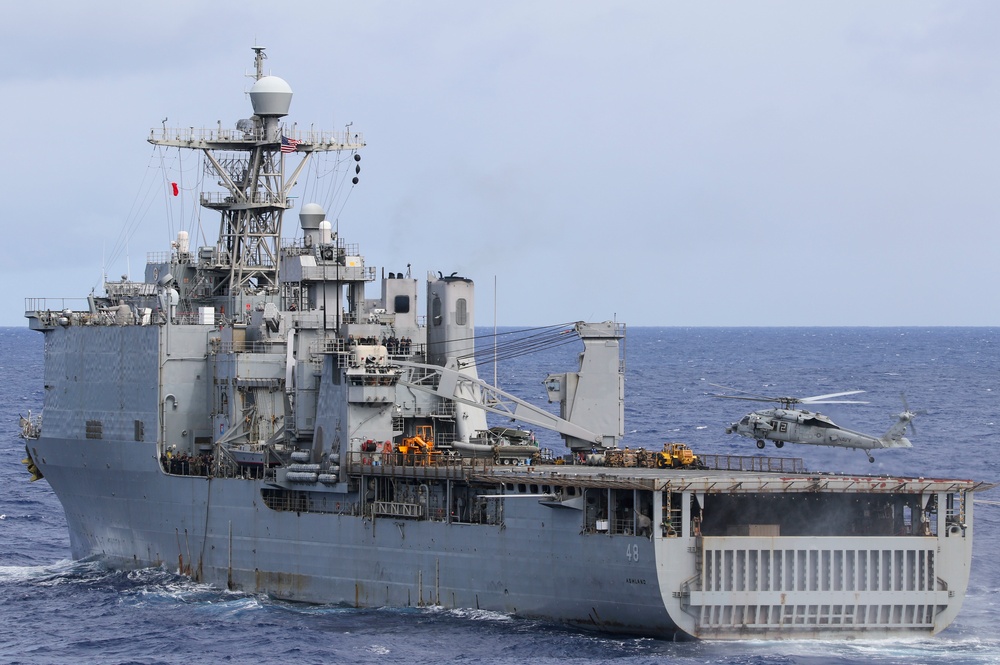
249, 416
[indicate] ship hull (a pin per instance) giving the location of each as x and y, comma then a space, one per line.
122, 510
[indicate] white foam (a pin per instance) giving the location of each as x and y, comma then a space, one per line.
477, 615
14, 574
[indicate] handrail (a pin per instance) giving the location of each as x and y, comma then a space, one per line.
237, 136
755, 463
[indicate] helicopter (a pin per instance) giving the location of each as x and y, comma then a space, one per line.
788, 424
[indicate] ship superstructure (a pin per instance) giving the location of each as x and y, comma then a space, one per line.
248, 415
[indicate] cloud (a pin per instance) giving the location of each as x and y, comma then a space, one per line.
774, 163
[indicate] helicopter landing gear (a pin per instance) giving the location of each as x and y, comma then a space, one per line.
760, 444
779, 444
870, 458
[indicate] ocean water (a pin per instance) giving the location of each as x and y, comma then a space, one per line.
54, 610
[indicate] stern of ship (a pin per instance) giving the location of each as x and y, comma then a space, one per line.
751, 581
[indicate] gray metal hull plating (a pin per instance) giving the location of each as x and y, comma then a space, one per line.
123, 510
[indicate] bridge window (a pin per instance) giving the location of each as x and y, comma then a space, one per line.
436, 311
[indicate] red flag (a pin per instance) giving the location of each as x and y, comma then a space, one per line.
176, 190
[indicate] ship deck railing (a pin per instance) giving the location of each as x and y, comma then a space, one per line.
55, 305
262, 199
243, 346
439, 464
298, 246
753, 463
48, 313
419, 465
211, 257
129, 289
240, 137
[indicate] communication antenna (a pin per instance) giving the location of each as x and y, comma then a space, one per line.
495, 384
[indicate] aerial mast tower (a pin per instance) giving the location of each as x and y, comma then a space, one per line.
249, 163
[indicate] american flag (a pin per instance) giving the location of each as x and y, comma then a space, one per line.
288, 145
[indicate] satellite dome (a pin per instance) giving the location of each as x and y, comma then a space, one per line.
271, 96
311, 215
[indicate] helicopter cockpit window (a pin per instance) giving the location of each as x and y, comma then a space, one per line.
745, 420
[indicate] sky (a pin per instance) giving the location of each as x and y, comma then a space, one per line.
661, 163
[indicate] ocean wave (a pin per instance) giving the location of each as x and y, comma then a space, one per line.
955, 651
44, 575
130, 586
474, 615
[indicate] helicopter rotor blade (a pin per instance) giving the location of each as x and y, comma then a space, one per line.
789, 401
750, 396
748, 399
824, 399
906, 408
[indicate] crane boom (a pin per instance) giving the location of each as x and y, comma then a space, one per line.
591, 399
451, 384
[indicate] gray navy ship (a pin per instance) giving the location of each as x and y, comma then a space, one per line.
249, 416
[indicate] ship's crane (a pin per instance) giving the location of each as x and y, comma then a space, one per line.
592, 397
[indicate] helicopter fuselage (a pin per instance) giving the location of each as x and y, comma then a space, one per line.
800, 426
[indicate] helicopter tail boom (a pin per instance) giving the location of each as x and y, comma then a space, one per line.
897, 442
896, 436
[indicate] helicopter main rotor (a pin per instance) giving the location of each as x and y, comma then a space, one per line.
788, 402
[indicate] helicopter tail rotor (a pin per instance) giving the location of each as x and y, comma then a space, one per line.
909, 415
896, 436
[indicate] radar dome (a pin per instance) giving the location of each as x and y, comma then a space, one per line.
271, 96
325, 232
311, 215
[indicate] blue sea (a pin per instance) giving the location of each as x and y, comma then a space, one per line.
54, 610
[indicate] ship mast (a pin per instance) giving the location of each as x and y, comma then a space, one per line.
250, 228
249, 164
